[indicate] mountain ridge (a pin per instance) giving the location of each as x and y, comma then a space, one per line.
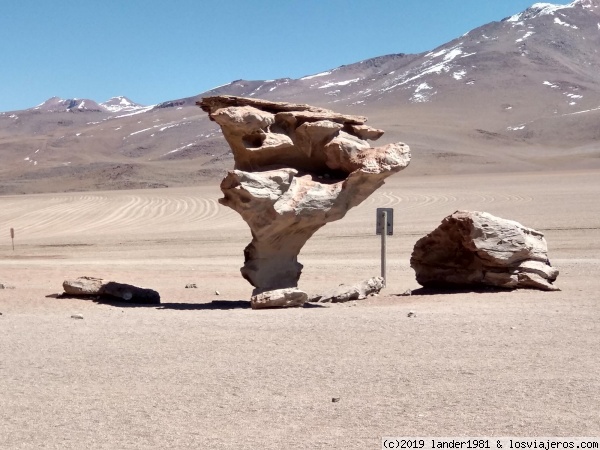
519, 94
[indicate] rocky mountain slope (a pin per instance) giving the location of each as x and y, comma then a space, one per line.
519, 94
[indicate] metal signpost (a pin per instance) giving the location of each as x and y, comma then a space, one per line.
384, 227
12, 236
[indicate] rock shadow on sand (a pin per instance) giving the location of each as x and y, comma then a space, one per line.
448, 290
209, 306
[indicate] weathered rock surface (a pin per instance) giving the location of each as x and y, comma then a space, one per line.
279, 298
297, 167
346, 293
87, 286
83, 286
477, 248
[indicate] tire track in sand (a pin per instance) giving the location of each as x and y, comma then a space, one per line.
465, 200
81, 214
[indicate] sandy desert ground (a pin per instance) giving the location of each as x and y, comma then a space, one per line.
205, 371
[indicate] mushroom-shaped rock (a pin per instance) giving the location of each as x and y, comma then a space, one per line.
477, 248
297, 167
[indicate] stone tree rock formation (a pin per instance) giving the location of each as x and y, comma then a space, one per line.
477, 248
297, 167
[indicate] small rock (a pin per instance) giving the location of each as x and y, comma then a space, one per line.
76, 316
191, 286
217, 293
512, 328
411, 314
335, 399
406, 293
6, 286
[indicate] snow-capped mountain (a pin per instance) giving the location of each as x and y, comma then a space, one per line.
521, 94
114, 105
121, 104
57, 104
546, 45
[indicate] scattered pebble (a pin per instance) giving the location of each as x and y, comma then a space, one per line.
217, 293
191, 286
411, 314
76, 316
335, 399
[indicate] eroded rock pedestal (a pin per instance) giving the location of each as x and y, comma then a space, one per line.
297, 167
472, 248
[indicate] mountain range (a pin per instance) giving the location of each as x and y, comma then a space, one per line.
521, 94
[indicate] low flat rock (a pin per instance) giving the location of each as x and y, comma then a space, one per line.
90, 286
477, 248
346, 293
279, 298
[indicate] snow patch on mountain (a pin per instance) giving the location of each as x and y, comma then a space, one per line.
552, 85
459, 75
564, 24
140, 131
179, 149
526, 35
339, 83
322, 74
516, 128
139, 111
447, 63
421, 95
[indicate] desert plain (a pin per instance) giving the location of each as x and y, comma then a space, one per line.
203, 370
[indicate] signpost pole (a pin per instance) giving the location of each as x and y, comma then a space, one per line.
384, 233
12, 236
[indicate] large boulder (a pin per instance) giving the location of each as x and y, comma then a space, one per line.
476, 248
297, 167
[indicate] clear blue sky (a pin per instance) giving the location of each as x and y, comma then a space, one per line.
153, 51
